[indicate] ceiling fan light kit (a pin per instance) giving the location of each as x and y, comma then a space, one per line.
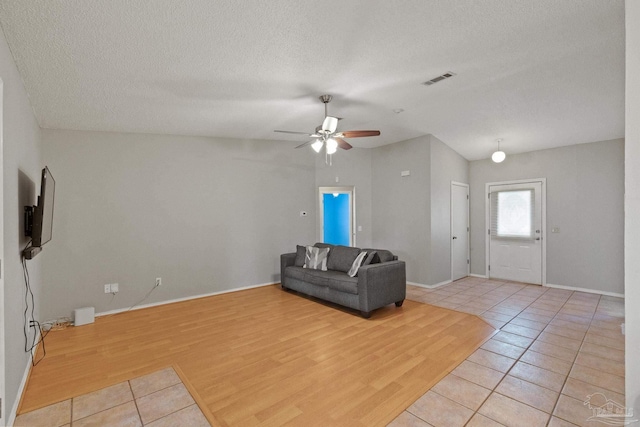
330, 124
327, 136
498, 156
332, 146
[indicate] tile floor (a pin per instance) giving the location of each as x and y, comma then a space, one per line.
156, 400
555, 348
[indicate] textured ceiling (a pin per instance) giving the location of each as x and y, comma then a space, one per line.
537, 73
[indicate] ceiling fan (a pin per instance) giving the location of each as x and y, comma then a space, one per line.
326, 134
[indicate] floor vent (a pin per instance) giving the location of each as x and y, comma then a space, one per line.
439, 78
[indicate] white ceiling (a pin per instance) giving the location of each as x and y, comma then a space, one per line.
537, 73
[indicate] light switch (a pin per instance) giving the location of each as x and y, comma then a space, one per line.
359, 228
555, 230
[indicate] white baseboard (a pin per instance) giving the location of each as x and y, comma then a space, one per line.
482, 276
155, 304
437, 285
23, 383
589, 291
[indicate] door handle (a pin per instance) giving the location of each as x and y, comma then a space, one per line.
537, 238
454, 237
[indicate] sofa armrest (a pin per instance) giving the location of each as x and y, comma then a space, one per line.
286, 260
381, 284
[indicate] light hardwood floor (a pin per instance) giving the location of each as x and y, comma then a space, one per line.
267, 357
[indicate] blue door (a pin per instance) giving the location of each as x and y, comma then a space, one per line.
337, 218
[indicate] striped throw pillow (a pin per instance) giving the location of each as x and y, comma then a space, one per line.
316, 258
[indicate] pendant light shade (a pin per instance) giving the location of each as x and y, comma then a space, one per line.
332, 146
498, 156
317, 146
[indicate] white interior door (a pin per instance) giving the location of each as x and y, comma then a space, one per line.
515, 231
459, 230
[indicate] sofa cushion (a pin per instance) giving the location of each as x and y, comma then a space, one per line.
333, 280
295, 272
353, 271
316, 258
300, 253
342, 258
383, 254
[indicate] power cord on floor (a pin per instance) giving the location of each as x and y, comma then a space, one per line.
39, 334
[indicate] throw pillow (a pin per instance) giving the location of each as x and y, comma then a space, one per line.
356, 264
316, 258
342, 257
300, 253
372, 258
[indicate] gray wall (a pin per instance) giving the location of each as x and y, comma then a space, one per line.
446, 166
401, 205
585, 187
205, 214
352, 168
21, 164
632, 204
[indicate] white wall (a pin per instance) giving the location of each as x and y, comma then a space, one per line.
21, 163
401, 205
585, 186
632, 204
446, 166
352, 168
205, 214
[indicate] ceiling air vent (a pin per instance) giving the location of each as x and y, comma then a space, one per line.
439, 78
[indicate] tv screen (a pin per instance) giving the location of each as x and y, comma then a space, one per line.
43, 213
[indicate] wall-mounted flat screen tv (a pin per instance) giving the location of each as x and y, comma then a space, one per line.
39, 218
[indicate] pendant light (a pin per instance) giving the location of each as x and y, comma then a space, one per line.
498, 156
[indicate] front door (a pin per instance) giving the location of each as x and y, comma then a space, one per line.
515, 231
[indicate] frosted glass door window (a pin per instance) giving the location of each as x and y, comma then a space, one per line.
513, 214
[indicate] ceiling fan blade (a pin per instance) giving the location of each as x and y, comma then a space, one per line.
343, 144
359, 133
295, 133
305, 144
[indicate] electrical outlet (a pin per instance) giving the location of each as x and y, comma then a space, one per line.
158, 281
107, 288
115, 288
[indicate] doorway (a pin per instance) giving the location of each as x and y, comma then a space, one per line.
459, 230
516, 225
337, 215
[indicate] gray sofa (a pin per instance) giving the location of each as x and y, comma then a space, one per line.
377, 284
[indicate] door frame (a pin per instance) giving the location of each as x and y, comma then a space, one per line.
459, 184
543, 220
351, 190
